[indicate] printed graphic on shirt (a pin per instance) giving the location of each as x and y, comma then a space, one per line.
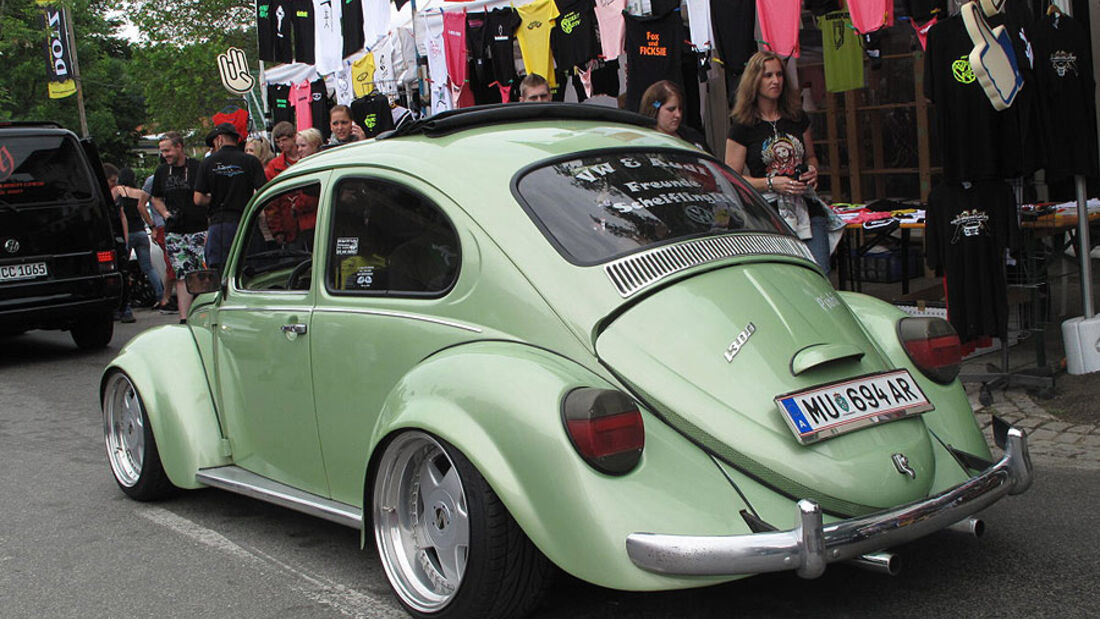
782, 153
969, 223
962, 71
1063, 62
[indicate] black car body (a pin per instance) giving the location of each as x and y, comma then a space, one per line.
59, 250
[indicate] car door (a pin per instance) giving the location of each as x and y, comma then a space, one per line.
263, 330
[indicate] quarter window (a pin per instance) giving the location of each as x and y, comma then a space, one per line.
389, 239
279, 245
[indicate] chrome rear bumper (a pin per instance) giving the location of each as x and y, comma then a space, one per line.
811, 545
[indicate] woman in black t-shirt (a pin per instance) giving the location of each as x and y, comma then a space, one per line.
664, 101
770, 136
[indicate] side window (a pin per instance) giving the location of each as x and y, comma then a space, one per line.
278, 249
387, 238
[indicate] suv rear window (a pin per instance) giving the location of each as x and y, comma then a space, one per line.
597, 207
42, 169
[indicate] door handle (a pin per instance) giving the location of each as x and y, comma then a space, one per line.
296, 329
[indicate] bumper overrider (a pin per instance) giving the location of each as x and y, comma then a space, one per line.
812, 545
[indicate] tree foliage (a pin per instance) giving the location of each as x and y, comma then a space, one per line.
113, 102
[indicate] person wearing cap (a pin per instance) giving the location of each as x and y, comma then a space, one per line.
226, 181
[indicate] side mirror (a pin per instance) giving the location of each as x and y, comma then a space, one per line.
198, 282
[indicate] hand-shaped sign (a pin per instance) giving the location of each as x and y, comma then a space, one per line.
233, 68
993, 58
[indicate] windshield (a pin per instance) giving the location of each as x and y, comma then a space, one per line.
600, 206
42, 169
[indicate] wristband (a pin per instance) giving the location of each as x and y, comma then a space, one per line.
771, 187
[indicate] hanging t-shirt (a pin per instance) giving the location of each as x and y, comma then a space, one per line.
319, 107
477, 46
372, 113
1065, 92
842, 51
976, 141
278, 101
303, 31
779, 22
609, 16
342, 82
922, 30
327, 36
376, 20
351, 26
534, 37
264, 35
439, 92
871, 15
301, 97
699, 24
282, 13
362, 75
653, 53
454, 44
966, 233
402, 51
772, 148
502, 43
733, 22
573, 38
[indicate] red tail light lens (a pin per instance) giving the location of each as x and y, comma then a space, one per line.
605, 428
105, 256
933, 346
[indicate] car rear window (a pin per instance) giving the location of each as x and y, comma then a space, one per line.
42, 169
597, 207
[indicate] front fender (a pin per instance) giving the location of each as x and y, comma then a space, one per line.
500, 404
165, 366
953, 420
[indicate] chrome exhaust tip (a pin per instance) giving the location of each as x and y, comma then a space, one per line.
970, 526
880, 562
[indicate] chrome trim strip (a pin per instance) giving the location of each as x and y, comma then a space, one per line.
632, 273
390, 314
263, 308
235, 479
810, 546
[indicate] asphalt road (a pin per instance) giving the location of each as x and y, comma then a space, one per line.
71, 545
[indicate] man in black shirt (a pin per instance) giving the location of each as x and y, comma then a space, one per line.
226, 181
173, 196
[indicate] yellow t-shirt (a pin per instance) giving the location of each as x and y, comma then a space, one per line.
534, 37
362, 75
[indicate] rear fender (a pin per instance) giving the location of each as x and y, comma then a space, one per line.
165, 366
499, 403
953, 421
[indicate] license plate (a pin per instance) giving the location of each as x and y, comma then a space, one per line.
828, 410
14, 272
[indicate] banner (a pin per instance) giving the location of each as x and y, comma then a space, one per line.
61, 82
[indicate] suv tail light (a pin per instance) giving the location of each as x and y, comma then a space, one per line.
605, 428
106, 261
933, 346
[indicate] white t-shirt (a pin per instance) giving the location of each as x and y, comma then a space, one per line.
329, 41
702, 36
437, 63
376, 21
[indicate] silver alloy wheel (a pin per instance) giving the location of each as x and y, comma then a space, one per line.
124, 429
421, 523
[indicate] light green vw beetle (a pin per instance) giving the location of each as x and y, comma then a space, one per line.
519, 337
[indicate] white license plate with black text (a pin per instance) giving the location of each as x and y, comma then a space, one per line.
828, 410
13, 272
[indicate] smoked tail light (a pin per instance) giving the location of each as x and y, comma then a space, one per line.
933, 346
106, 261
605, 427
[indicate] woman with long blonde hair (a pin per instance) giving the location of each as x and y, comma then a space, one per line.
770, 138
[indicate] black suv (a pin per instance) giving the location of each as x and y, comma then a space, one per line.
58, 249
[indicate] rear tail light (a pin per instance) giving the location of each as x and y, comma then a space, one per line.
933, 346
106, 261
605, 428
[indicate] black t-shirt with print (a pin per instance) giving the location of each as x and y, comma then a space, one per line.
176, 186
264, 33
501, 40
278, 100
282, 20
372, 113
351, 25
477, 48
772, 147
303, 31
230, 176
319, 107
573, 38
966, 232
653, 52
733, 22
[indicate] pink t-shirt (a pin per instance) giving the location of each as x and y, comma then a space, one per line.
301, 97
870, 15
454, 44
779, 21
609, 16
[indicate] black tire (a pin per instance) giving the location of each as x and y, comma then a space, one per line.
141, 289
94, 331
131, 446
505, 576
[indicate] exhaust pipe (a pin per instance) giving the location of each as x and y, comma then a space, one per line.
880, 562
970, 526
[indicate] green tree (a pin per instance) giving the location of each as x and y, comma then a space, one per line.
113, 102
